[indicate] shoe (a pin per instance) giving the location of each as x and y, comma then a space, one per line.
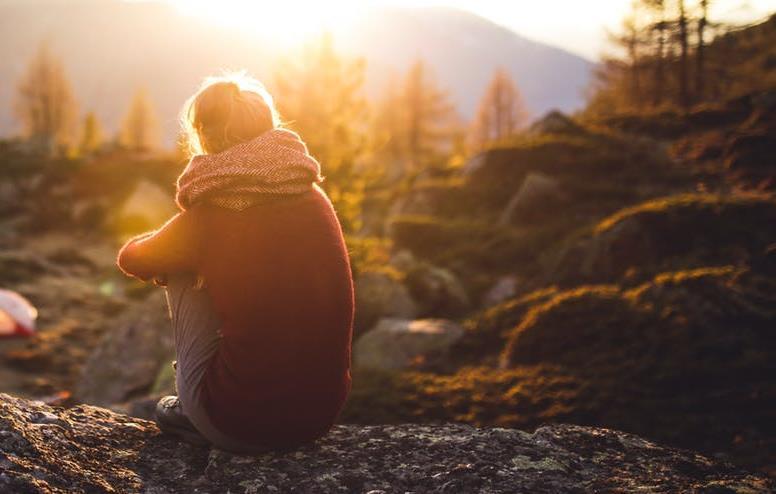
170, 418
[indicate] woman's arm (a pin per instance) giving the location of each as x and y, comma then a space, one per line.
170, 249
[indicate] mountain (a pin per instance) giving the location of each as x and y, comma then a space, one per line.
464, 49
110, 48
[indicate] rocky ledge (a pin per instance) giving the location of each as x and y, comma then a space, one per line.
90, 449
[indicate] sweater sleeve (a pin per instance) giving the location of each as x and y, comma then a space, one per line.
170, 249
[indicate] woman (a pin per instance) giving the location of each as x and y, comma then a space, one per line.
258, 280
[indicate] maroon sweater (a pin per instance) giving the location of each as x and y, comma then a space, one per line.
279, 277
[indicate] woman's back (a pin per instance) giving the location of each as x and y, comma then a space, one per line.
279, 277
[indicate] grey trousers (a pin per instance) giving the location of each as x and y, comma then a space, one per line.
195, 328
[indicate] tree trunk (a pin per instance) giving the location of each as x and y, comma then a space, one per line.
700, 70
684, 93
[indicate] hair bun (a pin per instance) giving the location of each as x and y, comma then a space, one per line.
225, 111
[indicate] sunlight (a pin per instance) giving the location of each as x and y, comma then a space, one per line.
287, 20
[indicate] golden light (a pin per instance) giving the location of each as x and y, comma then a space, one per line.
282, 20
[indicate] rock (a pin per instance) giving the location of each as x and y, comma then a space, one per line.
380, 294
127, 360
403, 260
683, 316
752, 151
687, 231
688, 344
89, 449
148, 206
444, 197
538, 195
556, 122
437, 291
397, 343
504, 289
415, 201
18, 266
10, 195
606, 160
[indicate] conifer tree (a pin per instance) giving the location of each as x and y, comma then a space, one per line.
320, 95
140, 131
502, 110
91, 134
45, 103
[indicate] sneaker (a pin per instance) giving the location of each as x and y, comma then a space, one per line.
170, 418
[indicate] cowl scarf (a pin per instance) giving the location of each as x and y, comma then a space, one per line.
275, 163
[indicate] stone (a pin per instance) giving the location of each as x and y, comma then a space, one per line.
555, 122
504, 289
381, 294
538, 193
687, 230
101, 451
437, 291
396, 344
127, 360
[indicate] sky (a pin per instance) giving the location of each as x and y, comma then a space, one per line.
577, 26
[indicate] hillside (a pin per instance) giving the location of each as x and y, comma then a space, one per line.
110, 48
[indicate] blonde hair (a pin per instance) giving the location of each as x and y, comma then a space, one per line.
226, 110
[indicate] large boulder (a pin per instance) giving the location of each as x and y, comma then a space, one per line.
488, 331
437, 291
89, 449
127, 360
398, 343
704, 324
538, 196
681, 231
688, 344
381, 294
556, 122
503, 289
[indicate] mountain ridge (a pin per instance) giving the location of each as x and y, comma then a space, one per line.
111, 48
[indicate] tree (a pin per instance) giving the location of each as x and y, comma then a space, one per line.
91, 134
320, 95
684, 89
140, 131
700, 52
45, 103
502, 110
657, 31
428, 118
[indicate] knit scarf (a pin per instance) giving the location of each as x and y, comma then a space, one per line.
273, 164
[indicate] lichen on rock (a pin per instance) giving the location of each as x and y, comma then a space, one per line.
89, 449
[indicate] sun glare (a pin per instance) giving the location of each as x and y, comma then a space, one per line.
286, 20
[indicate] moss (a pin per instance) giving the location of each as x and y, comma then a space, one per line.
476, 246
522, 397
442, 240
487, 332
673, 233
686, 358
696, 326
689, 208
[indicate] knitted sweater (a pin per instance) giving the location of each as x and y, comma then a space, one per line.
279, 277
